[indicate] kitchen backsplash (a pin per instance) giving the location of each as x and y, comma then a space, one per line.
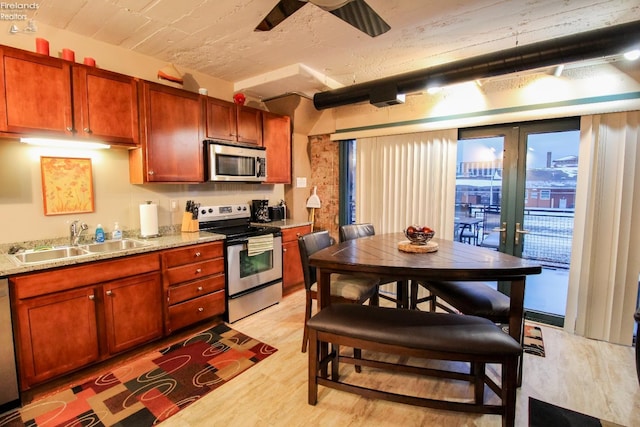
22, 207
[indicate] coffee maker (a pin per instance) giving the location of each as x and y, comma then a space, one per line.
260, 210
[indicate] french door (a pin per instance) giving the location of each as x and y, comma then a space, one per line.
519, 180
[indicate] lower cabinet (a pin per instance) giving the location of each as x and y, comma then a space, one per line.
57, 334
194, 284
133, 311
292, 275
72, 317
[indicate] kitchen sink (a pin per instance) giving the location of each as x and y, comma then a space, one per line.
44, 255
49, 254
114, 245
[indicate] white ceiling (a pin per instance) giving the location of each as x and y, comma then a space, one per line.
314, 50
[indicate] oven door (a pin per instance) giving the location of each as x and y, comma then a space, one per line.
246, 272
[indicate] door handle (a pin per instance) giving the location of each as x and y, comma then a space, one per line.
519, 231
503, 232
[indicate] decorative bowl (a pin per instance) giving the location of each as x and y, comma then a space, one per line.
419, 235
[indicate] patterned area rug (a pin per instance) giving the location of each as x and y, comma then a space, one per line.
532, 342
542, 414
151, 388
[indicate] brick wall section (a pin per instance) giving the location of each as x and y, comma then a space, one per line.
325, 174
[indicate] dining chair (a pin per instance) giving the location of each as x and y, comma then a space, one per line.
356, 231
345, 288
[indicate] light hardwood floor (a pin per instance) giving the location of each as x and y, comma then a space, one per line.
591, 377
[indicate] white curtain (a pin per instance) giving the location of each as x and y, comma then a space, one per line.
605, 262
407, 179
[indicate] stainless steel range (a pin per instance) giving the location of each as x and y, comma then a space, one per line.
253, 258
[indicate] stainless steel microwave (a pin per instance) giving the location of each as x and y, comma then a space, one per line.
233, 163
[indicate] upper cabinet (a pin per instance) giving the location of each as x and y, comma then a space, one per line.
36, 94
231, 122
105, 105
249, 125
221, 119
171, 148
276, 137
42, 95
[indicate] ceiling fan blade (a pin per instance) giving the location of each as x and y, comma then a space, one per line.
359, 14
279, 13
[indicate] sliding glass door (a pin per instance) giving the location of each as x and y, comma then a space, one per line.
515, 192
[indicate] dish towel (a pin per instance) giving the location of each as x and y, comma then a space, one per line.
259, 244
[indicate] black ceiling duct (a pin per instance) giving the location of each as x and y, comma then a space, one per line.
579, 47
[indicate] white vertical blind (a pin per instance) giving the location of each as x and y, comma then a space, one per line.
407, 179
605, 262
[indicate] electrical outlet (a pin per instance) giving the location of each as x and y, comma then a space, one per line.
173, 205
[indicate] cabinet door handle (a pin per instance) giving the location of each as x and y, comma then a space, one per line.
87, 130
198, 254
199, 288
284, 249
150, 172
69, 129
109, 293
92, 297
198, 271
200, 309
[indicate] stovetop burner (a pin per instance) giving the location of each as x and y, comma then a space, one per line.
234, 221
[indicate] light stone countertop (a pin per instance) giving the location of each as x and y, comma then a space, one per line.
9, 266
286, 223
169, 238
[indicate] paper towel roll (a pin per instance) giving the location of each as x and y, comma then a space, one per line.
148, 219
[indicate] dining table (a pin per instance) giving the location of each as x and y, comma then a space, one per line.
379, 256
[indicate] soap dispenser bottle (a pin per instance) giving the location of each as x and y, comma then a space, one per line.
99, 234
116, 234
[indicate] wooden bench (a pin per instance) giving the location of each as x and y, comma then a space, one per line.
426, 335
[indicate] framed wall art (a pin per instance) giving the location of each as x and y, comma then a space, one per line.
67, 185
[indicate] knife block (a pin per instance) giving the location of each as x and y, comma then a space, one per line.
189, 225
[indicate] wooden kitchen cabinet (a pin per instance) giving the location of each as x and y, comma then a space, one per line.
249, 125
72, 317
52, 97
292, 275
234, 123
57, 334
37, 94
133, 311
171, 147
105, 106
276, 138
194, 284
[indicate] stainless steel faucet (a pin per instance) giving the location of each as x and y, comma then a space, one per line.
76, 230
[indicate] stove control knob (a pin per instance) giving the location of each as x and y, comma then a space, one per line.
239, 208
244, 208
203, 211
210, 210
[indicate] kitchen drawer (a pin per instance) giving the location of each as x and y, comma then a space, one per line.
195, 289
195, 271
291, 234
65, 278
195, 310
181, 256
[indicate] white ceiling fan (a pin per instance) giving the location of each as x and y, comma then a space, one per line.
354, 12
